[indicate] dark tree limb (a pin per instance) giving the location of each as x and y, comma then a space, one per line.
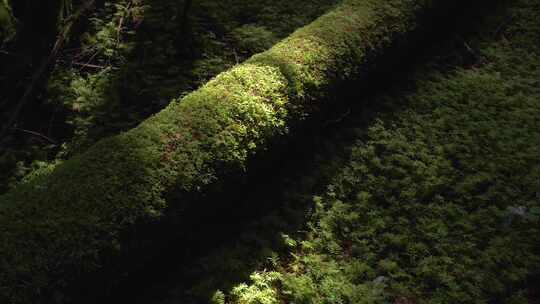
37, 134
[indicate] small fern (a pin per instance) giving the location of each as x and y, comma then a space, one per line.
260, 291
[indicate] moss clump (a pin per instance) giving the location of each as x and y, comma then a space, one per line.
61, 226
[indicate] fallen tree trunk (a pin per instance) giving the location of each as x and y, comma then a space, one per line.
61, 226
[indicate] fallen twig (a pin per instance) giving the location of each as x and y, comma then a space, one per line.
339, 119
36, 134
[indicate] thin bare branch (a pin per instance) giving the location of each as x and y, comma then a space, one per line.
37, 134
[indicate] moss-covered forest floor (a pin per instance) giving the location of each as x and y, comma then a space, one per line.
425, 189
426, 193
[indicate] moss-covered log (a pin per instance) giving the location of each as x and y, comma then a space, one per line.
62, 225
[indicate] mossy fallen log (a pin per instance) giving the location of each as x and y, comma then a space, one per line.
61, 226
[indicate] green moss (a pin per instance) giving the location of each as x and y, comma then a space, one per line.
59, 227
